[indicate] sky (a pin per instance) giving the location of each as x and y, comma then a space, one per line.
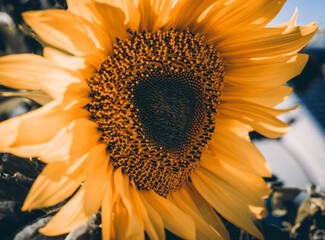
308, 11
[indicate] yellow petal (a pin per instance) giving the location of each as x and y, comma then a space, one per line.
163, 9
79, 37
185, 13
266, 73
31, 129
73, 63
153, 223
293, 20
65, 86
154, 14
238, 127
120, 228
53, 185
175, 220
132, 226
260, 118
114, 21
75, 141
205, 209
130, 10
250, 185
27, 122
268, 97
85, 9
226, 200
97, 174
71, 142
70, 217
267, 12
267, 42
148, 16
246, 157
113, 15
107, 210
24, 71
35, 72
226, 18
203, 229
89, 11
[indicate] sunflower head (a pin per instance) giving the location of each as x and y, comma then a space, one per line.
152, 103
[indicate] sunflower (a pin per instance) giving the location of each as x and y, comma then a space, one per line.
152, 103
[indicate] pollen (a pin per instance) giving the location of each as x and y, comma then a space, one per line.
155, 100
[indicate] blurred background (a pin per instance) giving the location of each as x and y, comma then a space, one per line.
297, 206
299, 157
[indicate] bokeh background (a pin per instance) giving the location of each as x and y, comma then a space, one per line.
299, 157
297, 205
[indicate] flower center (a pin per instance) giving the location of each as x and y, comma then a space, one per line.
170, 109
154, 101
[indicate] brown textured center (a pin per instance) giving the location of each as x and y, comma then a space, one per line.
154, 101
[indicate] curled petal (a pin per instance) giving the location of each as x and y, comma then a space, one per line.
72, 215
